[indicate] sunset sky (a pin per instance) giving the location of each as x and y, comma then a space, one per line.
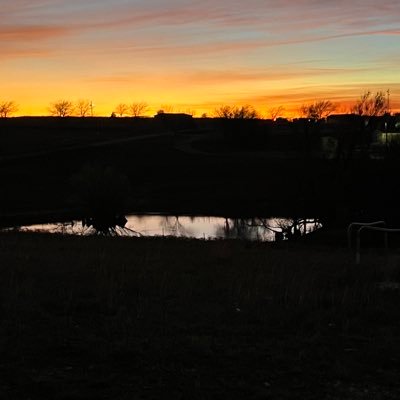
198, 54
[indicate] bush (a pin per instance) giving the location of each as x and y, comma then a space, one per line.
102, 193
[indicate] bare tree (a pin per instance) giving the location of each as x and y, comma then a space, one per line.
7, 108
61, 108
166, 108
138, 109
370, 105
121, 109
191, 112
230, 112
224, 112
318, 110
84, 107
275, 112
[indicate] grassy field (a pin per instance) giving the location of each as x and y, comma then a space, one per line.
206, 177
167, 178
31, 135
153, 318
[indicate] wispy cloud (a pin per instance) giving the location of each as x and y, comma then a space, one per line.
12, 53
278, 73
227, 48
29, 33
339, 93
287, 20
206, 26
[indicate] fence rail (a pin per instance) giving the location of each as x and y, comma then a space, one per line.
372, 226
360, 224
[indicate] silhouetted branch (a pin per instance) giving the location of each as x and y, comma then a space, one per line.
61, 108
7, 108
234, 112
318, 110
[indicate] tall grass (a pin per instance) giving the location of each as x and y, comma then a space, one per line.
195, 316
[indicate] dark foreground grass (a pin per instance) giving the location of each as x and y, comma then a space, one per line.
113, 318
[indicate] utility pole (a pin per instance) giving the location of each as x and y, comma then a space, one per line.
91, 108
388, 101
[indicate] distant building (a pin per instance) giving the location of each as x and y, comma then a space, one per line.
344, 119
173, 116
387, 137
176, 121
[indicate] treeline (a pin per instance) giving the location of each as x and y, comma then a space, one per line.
368, 104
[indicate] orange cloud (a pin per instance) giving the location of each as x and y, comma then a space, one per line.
343, 95
198, 54
23, 33
10, 53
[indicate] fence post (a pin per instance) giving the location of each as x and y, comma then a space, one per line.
354, 224
385, 231
358, 247
386, 247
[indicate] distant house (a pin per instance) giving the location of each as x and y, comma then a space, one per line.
344, 119
173, 116
387, 137
176, 121
388, 131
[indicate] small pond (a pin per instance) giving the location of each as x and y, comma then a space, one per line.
199, 227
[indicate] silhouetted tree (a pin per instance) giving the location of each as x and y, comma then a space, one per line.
61, 108
318, 110
191, 112
138, 109
370, 105
121, 109
83, 107
7, 108
240, 127
234, 112
167, 108
102, 193
224, 112
275, 112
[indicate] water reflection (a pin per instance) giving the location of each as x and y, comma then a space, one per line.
262, 229
108, 225
268, 229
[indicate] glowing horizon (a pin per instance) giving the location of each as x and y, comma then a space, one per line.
198, 55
